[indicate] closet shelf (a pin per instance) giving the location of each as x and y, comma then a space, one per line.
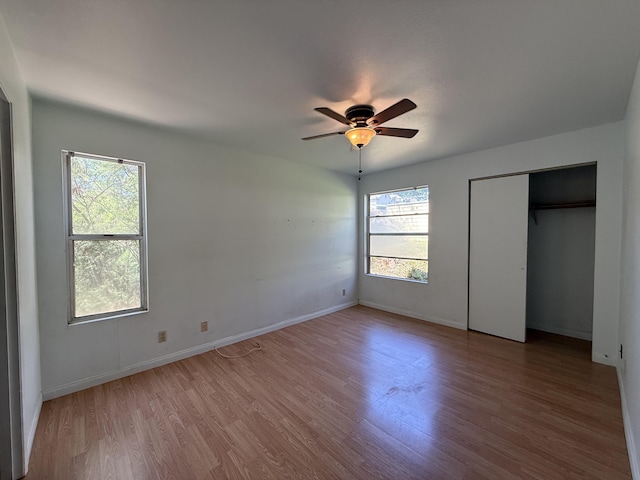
555, 206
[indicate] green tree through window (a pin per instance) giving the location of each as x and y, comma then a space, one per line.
107, 244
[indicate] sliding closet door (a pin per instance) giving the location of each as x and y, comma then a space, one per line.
498, 256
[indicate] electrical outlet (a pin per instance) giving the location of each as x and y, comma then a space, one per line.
162, 336
204, 326
344, 292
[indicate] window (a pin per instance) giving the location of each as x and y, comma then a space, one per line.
398, 234
106, 244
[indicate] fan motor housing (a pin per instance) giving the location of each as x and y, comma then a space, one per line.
359, 114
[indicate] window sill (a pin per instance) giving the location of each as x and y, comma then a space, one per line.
108, 316
410, 280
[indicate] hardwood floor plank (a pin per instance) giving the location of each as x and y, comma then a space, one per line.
357, 394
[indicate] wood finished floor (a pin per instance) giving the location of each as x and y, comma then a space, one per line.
358, 394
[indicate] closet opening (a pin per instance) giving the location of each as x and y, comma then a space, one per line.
561, 252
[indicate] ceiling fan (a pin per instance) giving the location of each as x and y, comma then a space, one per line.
365, 124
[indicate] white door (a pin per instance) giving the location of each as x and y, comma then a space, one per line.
498, 228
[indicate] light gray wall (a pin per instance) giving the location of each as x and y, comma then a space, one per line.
630, 296
240, 240
560, 272
444, 299
561, 250
14, 88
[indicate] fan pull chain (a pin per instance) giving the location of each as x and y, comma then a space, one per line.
359, 163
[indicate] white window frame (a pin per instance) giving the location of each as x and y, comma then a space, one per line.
67, 155
368, 235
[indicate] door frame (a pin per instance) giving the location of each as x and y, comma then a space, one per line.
11, 428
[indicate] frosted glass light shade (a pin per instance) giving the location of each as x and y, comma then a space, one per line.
360, 136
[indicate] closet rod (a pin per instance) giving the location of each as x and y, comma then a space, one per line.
552, 206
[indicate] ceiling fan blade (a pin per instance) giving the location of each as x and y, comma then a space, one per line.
335, 115
403, 106
323, 135
396, 132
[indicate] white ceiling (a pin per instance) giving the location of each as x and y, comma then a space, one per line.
248, 73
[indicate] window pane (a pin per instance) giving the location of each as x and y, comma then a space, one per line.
400, 202
401, 209
107, 276
409, 224
105, 197
408, 246
394, 267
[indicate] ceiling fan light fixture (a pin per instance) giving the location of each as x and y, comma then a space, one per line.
360, 136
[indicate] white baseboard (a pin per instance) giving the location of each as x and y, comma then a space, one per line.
628, 432
567, 332
88, 382
604, 359
31, 435
408, 313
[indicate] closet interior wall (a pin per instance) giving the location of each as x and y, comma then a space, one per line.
561, 251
